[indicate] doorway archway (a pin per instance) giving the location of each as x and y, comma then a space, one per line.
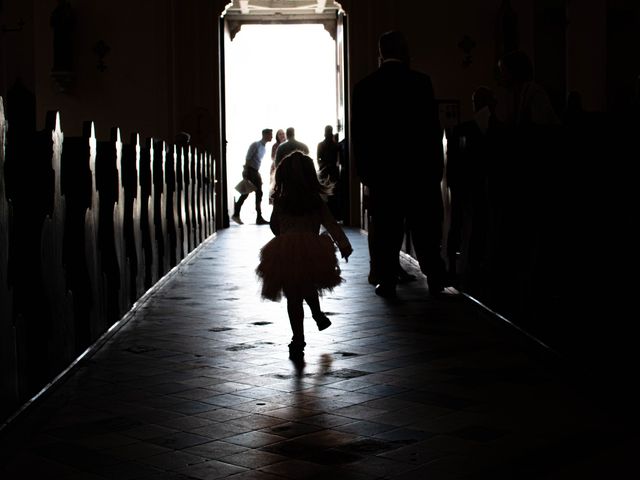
256, 14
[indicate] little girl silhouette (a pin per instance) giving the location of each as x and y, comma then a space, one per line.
299, 261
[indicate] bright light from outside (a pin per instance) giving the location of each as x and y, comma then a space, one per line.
276, 76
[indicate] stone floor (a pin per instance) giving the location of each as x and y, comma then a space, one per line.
197, 384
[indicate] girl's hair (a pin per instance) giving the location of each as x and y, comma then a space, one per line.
297, 188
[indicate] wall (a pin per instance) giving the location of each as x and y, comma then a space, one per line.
161, 73
194, 71
623, 61
162, 58
16, 45
586, 52
132, 91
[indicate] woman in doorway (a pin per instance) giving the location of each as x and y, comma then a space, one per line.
280, 137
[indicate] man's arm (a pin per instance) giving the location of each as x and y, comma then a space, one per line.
253, 148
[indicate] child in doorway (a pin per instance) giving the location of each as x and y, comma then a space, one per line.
300, 262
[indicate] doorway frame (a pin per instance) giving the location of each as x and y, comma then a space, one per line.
230, 24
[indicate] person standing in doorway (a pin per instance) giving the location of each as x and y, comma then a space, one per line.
280, 137
251, 172
328, 153
402, 168
290, 146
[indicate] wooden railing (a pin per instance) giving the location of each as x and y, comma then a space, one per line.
86, 228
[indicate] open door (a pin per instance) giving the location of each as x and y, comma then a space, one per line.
262, 90
341, 76
222, 218
349, 196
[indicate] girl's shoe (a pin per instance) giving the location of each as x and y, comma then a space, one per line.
321, 320
296, 350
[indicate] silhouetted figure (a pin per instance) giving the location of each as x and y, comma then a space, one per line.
471, 151
280, 137
372, 278
290, 146
403, 167
526, 187
328, 154
251, 172
300, 262
530, 102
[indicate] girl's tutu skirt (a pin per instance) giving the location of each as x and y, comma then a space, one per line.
299, 264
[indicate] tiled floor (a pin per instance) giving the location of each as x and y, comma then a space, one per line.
197, 384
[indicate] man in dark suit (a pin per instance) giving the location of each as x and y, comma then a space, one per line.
397, 143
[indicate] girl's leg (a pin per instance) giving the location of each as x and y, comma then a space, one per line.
296, 318
314, 304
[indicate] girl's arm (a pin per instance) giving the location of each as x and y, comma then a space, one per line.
336, 232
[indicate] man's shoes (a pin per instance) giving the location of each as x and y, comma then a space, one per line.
403, 277
385, 290
322, 321
261, 221
236, 218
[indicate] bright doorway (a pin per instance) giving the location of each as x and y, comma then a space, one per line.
276, 76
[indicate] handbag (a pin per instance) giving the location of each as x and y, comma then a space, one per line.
245, 187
